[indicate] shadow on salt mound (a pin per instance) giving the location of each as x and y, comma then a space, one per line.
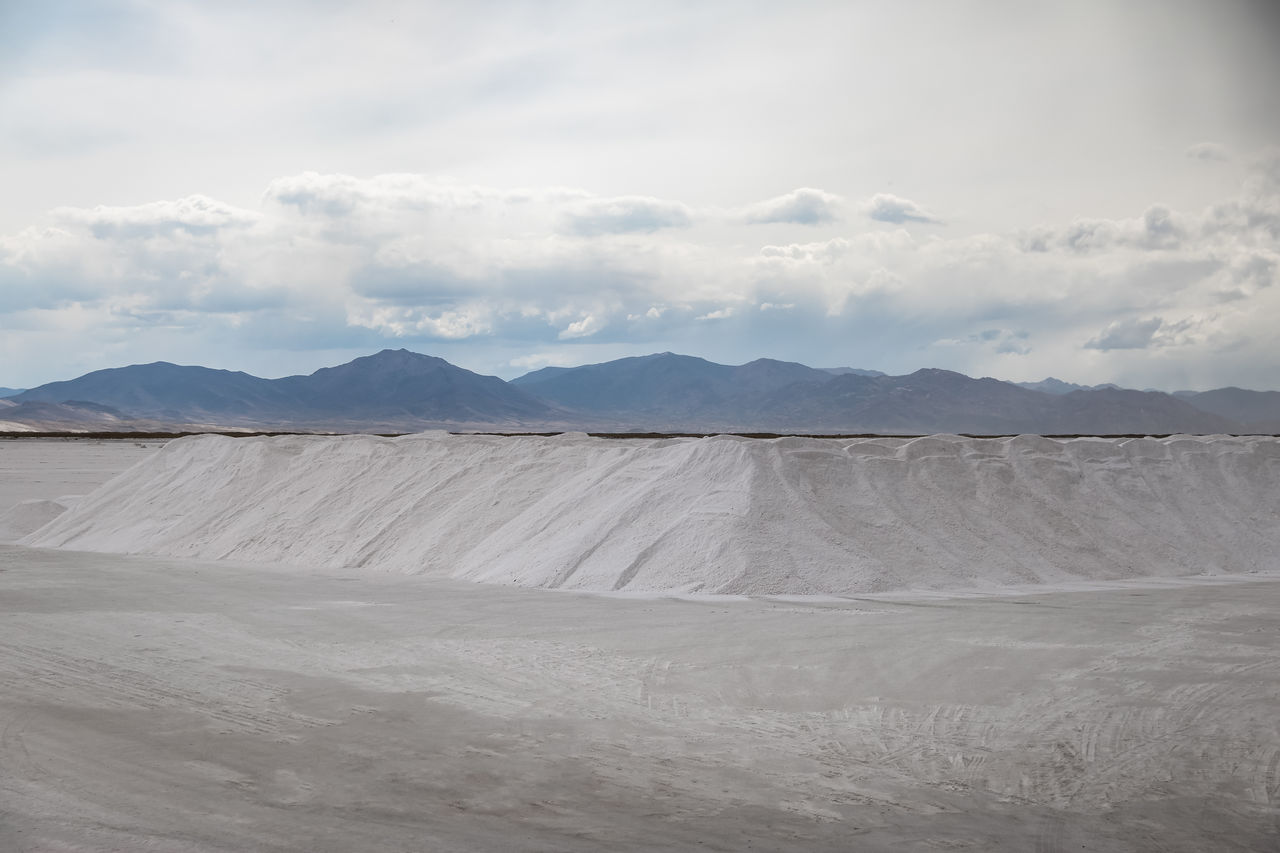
572, 435
1145, 448
1269, 449
877, 441
980, 447
799, 448
1186, 442
816, 454
873, 449
801, 442
425, 435
933, 445
669, 442
1094, 449
27, 517
1035, 445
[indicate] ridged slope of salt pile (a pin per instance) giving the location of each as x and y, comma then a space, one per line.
722, 514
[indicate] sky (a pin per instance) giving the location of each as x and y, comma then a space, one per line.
1087, 190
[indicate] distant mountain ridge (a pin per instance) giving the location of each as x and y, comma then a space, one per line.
665, 391
1051, 385
1259, 411
932, 400
665, 386
398, 384
402, 391
167, 391
392, 388
840, 371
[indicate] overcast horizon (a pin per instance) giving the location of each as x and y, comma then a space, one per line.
1090, 192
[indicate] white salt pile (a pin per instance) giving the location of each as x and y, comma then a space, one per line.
26, 517
722, 514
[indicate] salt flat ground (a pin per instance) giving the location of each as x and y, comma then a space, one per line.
173, 705
49, 468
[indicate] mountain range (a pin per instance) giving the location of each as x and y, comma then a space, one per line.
393, 389
398, 390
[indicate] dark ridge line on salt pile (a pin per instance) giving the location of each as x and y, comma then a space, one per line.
154, 435
14, 434
769, 435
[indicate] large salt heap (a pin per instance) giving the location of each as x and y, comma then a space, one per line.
721, 514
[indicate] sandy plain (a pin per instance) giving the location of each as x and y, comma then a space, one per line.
175, 705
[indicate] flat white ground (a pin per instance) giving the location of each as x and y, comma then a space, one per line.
169, 705
49, 468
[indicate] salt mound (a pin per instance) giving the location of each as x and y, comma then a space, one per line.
722, 514
25, 517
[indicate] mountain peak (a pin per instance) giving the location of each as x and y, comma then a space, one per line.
938, 373
399, 355
388, 359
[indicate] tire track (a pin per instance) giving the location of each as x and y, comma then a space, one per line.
235, 704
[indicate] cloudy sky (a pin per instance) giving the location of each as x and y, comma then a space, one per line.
1089, 190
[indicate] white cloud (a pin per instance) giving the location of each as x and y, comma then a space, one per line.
1135, 333
1000, 341
804, 206
336, 258
654, 313
1125, 334
336, 195
401, 322
885, 207
625, 215
195, 214
832, 272
1156, 229
583, 328
824, 251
